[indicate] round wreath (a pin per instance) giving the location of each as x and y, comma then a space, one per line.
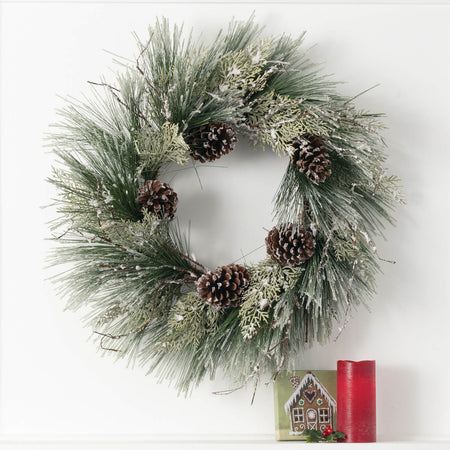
184, 103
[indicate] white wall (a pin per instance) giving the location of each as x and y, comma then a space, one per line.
53, 382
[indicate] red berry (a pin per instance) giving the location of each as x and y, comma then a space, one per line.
325, 433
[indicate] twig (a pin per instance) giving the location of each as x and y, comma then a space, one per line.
138, 268
349, 284
142, 327
142, 72
110, 336
256, 370
98, 204
374, 247
174, 250
325, 256
137, 330
65, 232
284, 354
306, 326
249, 253
114, 91
198, 175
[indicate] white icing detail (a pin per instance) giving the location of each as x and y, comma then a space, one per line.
308, 379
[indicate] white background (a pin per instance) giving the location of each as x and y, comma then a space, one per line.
52, 380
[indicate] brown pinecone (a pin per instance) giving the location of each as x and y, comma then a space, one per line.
211, 141
289, 246
311, 157
159, 198
225, 286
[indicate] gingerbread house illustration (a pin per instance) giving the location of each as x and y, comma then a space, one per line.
310, 407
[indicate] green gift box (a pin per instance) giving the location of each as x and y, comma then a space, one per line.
304, 400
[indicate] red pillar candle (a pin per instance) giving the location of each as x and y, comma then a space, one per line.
356, 403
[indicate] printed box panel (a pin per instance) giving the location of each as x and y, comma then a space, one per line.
304, 400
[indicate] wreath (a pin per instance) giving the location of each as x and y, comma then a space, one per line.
123, 252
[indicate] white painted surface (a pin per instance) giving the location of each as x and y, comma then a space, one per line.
53, 384
222, 442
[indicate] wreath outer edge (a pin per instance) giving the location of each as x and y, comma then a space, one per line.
125, 258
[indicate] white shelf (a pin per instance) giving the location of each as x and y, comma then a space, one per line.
165, 442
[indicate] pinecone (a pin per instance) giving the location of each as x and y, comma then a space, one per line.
225, 286
289, 246
159, 198
311, 157
211, 141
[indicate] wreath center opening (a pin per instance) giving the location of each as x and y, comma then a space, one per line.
227, 204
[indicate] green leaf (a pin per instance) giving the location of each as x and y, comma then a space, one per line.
312, 436
338, 435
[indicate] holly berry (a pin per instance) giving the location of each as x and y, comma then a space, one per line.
328, 430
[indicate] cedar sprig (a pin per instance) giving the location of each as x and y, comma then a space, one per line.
159, 147
190, 320
267, 283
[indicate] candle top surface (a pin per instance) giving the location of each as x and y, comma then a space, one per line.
365, 361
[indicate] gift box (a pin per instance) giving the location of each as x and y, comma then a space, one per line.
304, 400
